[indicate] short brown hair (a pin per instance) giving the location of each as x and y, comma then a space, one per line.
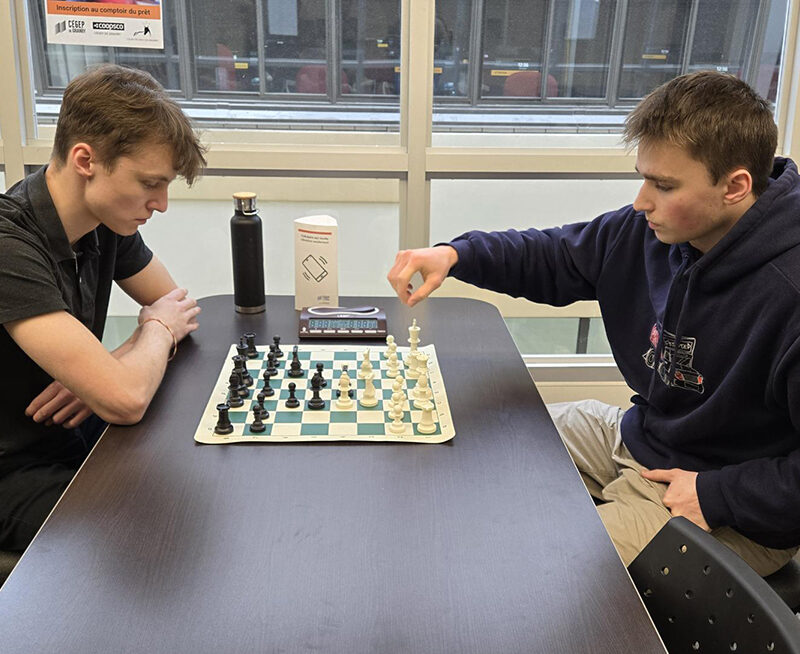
716, 117
116, 110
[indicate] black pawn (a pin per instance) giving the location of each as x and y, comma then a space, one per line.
240, 366
234, 385
292, 402
316, 402
267, 390
224, 425
250, 339
257, 425
271, 369
320, 368
296, 369
277, 340
241, 348
260, 399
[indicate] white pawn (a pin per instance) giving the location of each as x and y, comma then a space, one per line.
391, 346
366, 365
393, 367
426, 424
369, 397
344, 401
422, 392
398, 404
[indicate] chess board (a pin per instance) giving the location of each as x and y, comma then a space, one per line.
330, 423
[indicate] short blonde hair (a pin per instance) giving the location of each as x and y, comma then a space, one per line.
116, 110
716, 117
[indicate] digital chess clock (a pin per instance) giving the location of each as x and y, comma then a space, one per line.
342, 322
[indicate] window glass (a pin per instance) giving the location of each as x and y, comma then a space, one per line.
451, 47
370, 50
653, 47
513, 48
581, 48
63, 62
769, 56
722, 35
225, 45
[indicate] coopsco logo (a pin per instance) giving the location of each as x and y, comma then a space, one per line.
112, 27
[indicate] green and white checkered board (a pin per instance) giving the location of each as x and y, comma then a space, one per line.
330, 423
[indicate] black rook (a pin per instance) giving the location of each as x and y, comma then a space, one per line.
248, 255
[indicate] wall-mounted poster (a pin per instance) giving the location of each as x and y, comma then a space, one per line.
117, 23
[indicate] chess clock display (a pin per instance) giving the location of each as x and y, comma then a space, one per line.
342, 322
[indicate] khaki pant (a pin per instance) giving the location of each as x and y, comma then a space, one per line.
632, 509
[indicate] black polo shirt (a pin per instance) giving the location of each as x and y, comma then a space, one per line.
40, 273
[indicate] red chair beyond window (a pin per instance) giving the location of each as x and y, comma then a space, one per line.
313, 79
528, 83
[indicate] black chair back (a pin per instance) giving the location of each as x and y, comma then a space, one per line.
703, 597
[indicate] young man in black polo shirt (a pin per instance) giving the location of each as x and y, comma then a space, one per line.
66, 232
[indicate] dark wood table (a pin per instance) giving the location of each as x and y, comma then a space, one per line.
487, 543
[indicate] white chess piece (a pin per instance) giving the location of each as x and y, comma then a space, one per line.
422, 390
391, 346
393, 367
426, 424
344, 401
413, 339
369, 398
398, 404
366, 365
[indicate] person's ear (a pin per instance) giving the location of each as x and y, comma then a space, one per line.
739, 185
83, 160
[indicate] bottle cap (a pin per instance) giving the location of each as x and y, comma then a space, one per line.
244, 202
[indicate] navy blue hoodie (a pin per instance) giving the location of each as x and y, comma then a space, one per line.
727, 405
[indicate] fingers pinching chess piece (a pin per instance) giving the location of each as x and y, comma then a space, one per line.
292, 402
257, 426
344, 392
391, 346
366, 365
369, 398
277, 341
426, 424
250, 339
223, 425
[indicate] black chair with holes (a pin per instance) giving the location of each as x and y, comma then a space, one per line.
704, 598
786, 582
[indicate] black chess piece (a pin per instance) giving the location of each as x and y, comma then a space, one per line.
292, 402
277, 340
240, 366
224, 425
267, 390
234, 384
316, 402
241, 348
250, 339
260, 399
257, 425
295, 368
320, 368
271, 369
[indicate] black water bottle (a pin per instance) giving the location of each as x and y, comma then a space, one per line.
248, 255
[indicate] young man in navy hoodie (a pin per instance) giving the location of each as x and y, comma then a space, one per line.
699, 286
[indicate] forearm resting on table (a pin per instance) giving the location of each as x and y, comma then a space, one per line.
118, 390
